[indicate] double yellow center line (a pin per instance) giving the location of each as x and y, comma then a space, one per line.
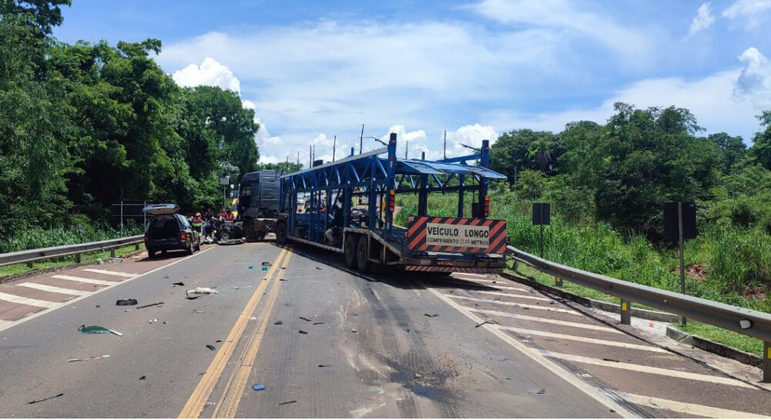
228, 404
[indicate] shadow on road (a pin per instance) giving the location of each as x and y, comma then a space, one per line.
394, 277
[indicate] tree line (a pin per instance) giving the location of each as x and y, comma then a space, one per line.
86, 125
622, 172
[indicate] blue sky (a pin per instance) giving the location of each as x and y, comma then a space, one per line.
312, 70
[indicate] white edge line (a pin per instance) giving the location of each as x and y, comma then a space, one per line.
542, 360
687, 408
37, 314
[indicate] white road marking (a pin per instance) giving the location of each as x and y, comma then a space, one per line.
512, 295
687, 408
85, 280
520, 305
54, 289
110, 285
524, 331
27, 301
650, 369
110, 273
519, 289
539, 358
547, 320
4, 323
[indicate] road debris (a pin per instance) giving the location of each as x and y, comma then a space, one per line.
142, 378
152, 304
46, 399
541, 391
278, 323
258, 387
96, 329
287, 402
302, 332
126, 302
485, 322
83, 359
317, 323
251, 267
318, 268
282, 279
179, 283
116, 260
210, 347
218, 341
353, 331
431, 315
610, 360
152, 321
305, 319
198, 311
200, 291
323, 366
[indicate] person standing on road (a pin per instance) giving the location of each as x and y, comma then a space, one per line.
197, 224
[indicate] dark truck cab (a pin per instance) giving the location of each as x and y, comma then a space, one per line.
168, 230
258, 203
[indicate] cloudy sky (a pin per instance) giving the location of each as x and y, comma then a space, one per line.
313, 70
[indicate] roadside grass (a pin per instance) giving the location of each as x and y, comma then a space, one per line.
724, 263
12, 269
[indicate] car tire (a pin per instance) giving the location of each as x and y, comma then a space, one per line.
281, 233
349, 250
151, 253
362, 254
190, 249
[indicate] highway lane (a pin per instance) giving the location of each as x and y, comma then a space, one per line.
326, 342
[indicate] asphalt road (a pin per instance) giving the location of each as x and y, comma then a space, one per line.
324, 342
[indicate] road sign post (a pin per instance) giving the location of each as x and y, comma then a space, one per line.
541, 216
679, 225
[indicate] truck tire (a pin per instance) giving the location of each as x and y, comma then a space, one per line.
281, 233
349, 250
250, 232
362, 254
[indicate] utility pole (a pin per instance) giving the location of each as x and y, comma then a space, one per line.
334, 145
361, 138
298, 157
406, 148
310, 156
445, 144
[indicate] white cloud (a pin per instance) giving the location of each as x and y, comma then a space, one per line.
703, 19
751, 11
711, 99
209, 73
623, 39
754, 82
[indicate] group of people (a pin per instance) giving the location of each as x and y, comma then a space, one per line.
205, 225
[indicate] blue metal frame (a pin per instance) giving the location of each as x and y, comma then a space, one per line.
372, 176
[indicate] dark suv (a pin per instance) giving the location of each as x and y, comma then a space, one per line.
169, 230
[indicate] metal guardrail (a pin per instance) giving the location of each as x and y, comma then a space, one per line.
31, 255
744, 321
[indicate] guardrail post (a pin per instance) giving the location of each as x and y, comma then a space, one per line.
766, 361
626, 312
136, 247
558, 281
79, 258
112, 253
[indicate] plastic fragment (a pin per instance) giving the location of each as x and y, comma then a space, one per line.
281, 279
152, 304
46, 399
116, 260
179, 283
484, 322
318, 268
322, 366
258, 387
96, 329
126, 302
210, 347
142, 378
201, 291
278, 323
541, 391
305, 319
83, 359
431, 315
317, 323
287, 402
251, 267
302, 332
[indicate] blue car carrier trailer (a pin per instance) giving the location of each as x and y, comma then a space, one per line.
364, 187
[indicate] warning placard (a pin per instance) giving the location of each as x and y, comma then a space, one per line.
440, 234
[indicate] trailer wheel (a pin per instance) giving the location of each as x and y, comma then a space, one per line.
362, 254
349, 250
281, 232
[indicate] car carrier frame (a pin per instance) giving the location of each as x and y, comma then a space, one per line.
438, 244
